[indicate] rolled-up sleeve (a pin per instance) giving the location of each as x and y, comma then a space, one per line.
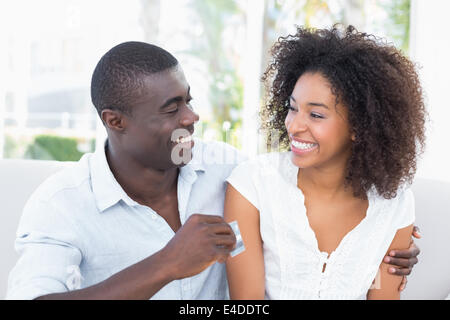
49, 259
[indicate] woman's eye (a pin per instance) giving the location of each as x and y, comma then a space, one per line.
291, 108
317, 116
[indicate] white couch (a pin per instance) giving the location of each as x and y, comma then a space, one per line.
18, 179
430, 278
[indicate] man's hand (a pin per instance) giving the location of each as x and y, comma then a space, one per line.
201, 241
404, 260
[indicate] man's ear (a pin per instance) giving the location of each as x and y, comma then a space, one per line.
114, 120
353, 137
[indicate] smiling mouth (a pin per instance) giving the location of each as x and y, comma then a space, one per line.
303, 146
184, 139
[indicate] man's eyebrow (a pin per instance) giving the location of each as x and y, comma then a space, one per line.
313, 104
174, 99
170, 101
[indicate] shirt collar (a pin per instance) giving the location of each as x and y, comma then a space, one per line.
290, 172
189, 172
196, 164
107, 191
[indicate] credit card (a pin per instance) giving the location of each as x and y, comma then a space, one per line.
239, 242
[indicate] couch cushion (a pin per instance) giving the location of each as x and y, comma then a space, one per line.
19, 178
430, 278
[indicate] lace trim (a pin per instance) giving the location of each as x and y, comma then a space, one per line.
287, 228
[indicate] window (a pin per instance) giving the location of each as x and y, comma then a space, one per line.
53, 46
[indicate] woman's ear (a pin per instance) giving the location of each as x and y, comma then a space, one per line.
353, 137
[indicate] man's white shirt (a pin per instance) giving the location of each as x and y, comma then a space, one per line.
80, 227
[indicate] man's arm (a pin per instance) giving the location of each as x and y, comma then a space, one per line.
201, 241
139, 281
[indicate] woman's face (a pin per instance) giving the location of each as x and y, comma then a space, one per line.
319, 133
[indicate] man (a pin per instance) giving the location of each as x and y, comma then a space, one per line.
140, 218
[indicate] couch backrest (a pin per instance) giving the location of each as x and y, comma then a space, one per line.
18, 180
430, 278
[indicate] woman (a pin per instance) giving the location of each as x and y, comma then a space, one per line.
317, 220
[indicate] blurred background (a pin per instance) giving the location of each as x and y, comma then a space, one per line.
49, 49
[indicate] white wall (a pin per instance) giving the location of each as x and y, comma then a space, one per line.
430, 48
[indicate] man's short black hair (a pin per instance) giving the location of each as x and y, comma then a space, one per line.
118, 76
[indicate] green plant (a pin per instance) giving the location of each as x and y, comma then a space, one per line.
398, 24
49, 147
10, 147
226, 92
14, 146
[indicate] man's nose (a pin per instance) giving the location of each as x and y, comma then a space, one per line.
189, 118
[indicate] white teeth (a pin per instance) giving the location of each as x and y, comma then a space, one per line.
184, 139
303, 146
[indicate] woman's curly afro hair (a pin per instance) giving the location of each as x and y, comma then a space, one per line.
378, 85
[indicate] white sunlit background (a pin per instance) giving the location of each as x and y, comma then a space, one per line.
49, 49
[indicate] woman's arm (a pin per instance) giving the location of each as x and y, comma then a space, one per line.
386, 286
245, 271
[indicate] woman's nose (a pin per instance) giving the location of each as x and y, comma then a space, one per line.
296, 123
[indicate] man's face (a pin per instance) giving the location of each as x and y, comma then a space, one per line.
160, 114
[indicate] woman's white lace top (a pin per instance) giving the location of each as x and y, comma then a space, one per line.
293, 261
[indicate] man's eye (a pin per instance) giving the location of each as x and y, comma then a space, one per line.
172, 111
189, 104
